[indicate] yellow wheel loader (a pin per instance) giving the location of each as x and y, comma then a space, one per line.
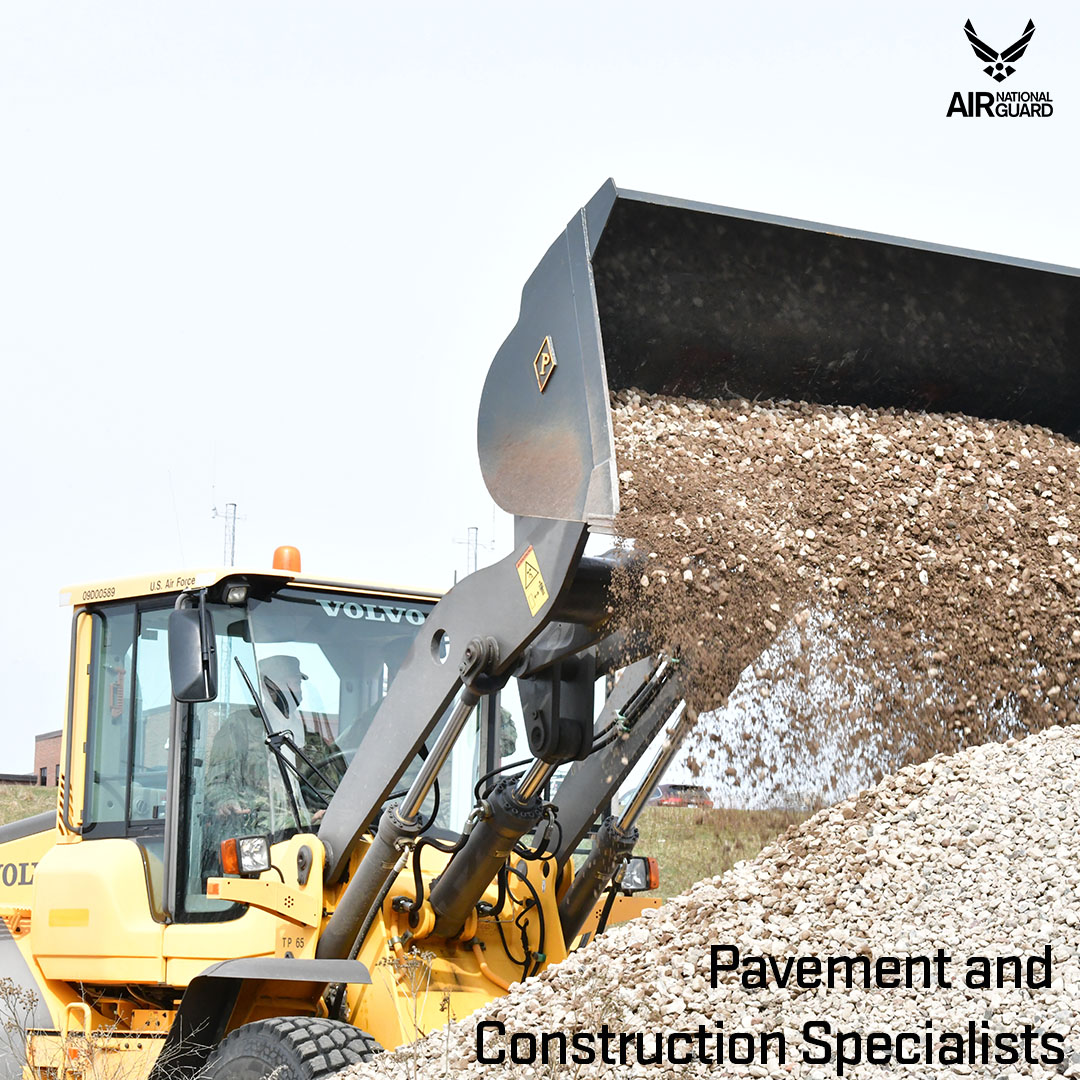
300, 820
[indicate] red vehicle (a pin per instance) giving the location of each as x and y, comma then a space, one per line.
680, 795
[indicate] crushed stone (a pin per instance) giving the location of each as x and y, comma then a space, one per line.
976, 854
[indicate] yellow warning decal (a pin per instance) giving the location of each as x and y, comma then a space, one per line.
532, 581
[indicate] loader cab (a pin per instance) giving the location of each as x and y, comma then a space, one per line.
175, 779
320, 661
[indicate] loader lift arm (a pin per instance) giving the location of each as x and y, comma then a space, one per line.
420, 693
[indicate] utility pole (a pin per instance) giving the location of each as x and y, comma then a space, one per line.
230, 534
229, 559
472, 551
229, 556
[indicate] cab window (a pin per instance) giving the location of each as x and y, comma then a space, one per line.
128, 725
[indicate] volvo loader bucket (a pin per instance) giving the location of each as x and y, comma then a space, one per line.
683, 298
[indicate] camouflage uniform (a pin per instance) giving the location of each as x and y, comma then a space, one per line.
242, 780
242, 770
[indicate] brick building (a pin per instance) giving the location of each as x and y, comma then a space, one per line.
47, 758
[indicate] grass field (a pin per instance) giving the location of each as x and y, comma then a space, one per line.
693, 844
20, 800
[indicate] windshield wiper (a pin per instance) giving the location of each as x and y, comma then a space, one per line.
275, 740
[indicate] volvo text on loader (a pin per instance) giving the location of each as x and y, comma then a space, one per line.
284, 799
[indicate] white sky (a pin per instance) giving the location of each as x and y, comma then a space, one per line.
264, 253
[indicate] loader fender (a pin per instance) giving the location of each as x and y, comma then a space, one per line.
208, 1002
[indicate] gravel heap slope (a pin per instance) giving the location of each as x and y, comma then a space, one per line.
976, 854
902, 583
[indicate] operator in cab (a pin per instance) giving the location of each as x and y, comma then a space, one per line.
245, 789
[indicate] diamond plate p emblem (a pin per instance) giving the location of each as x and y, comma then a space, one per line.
544, 364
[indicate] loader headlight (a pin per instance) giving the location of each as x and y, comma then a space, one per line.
642, 873
245, 855
236, 594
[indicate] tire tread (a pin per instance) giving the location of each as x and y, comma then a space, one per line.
320, 1047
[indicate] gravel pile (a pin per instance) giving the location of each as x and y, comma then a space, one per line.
975, 855
898, 584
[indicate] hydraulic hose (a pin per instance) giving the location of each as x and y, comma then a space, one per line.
488, 974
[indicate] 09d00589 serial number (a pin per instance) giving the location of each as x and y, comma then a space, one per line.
106, 593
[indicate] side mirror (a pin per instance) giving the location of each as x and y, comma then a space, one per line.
192, 656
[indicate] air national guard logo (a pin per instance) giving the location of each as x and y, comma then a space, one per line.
1000, 64
999, 104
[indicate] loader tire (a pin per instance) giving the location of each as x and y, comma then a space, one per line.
297, 1047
